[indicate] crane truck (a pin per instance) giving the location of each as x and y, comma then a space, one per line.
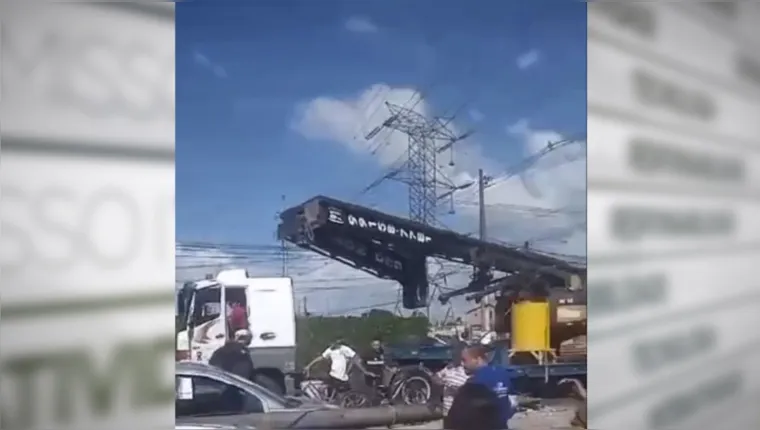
202, 327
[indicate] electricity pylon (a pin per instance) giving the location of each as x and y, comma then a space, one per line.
427, 137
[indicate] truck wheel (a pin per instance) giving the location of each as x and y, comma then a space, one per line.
269, 383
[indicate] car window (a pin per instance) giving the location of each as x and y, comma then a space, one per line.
278, 398
212, 397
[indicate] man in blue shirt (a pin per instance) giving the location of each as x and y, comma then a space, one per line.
497, 378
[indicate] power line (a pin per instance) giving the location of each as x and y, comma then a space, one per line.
360, 308
536, 211
420, 171
419, 94
531, 160
399, 162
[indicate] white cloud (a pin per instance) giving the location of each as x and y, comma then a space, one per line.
476, 115
556, 182
358, 24
528, 59
347, 121
203, 61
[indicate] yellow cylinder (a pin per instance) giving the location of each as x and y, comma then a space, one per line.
530, 326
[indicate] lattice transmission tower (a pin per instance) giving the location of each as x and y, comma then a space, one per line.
428, 137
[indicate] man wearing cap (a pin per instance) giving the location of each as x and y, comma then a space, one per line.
234, 357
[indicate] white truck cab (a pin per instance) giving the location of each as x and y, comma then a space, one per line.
202, 327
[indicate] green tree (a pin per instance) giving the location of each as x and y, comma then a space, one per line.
315, 333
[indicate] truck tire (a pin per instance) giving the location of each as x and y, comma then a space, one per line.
269, 383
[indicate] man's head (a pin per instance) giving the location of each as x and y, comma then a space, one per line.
337, 344
243, 337
376, 345
474, 357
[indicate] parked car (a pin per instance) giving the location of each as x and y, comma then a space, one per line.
208, 395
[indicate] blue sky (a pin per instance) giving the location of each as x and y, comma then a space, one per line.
246, 73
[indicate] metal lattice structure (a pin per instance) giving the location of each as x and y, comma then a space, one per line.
428, 137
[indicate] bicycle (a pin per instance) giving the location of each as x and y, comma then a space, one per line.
343, 395
409, 385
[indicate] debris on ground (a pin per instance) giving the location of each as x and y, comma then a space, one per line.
579, 397
543, 417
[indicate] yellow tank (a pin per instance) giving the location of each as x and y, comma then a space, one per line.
531, 322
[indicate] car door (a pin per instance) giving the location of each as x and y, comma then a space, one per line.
203, 396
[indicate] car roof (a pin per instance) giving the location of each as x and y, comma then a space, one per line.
211, 427
193, 368
197, 368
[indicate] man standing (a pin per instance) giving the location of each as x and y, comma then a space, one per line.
374, 361
475, 408
234, 357
237, 317
496, 378
341, 358
451, 378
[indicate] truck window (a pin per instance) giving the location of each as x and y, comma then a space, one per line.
208, 306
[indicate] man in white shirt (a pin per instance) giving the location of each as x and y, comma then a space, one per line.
342, 358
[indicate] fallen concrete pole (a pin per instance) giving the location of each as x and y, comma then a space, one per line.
378, 416
369, 417
580, 396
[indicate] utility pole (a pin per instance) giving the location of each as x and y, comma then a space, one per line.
484, 302
283, 248
284, 254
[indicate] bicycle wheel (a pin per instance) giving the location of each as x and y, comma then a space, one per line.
353, 400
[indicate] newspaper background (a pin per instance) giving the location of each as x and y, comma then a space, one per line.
106, 132
674, 200
87, 251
